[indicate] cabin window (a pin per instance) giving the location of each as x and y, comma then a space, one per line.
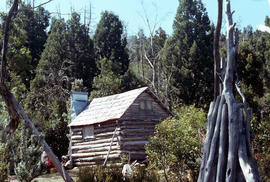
149, 105
142, 105
88, 132
146, 105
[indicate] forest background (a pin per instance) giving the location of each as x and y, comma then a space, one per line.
50, 56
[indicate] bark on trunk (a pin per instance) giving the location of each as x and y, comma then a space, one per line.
227, 150
217, 69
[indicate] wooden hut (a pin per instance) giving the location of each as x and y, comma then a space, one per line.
110, 126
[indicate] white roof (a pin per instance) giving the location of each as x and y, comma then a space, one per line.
107, 108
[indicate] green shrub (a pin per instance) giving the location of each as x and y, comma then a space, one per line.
261, 147
27, 155
114, 174
176, 147
4, 162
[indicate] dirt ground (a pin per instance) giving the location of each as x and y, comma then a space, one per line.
52, 177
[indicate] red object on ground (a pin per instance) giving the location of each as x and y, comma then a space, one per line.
49, 163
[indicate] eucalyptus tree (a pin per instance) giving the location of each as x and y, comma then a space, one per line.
110, 42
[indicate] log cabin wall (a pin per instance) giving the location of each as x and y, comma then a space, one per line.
93, 150
135, 111
138, 124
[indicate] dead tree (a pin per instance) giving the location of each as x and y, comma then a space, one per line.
217, 82
227, 152
15, 110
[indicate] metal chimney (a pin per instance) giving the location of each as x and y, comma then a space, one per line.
79, 100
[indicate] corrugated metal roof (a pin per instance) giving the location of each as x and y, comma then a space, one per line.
107, 108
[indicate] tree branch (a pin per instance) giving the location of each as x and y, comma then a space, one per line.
43, 4
216, 50
11, 13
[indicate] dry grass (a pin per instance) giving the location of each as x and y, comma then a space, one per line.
52, 177
56, 177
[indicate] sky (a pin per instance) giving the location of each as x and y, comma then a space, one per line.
159, 12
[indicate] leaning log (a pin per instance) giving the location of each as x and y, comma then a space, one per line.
15, 110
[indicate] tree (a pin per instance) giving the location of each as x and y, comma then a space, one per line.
216, 53
14, 108
176, 145
51, 83
146, 58
80, 52
227, 152
191, 53
137, 45
110, 42
108, 82
27, 40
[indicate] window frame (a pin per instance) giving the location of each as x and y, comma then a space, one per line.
88, 132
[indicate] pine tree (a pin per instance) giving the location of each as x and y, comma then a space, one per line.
110, 42
107, 82
27, 38
50, 84
192, 41
80, 52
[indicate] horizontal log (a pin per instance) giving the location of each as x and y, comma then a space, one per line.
100, 136
111, 123
98, 141
133, 152
134, 143
81, 143
99, 155
122, 143
102, 130
138, 130
76, 129
137, 120
93, 145
80, 164
95, 156
151, 127
96, 164
76, 132
133, 148
137, 138
146, 122
88, 150
136, 135
76, 137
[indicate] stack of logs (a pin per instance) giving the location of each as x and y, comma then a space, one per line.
129, 138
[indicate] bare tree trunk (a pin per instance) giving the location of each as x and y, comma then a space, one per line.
217, 70
14, 108
227, 150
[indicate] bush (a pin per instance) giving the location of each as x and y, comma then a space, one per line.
27, 155
4, 163
261, 147
114, 174
176, 147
